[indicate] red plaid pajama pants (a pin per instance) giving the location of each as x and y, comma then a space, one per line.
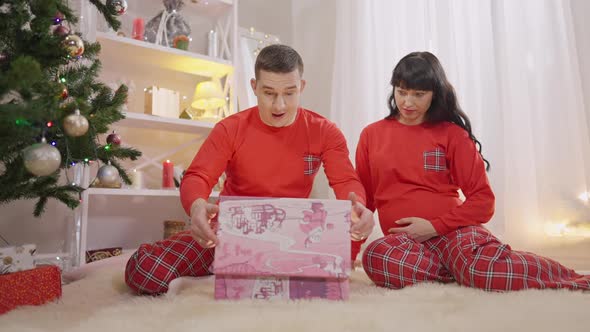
471, 256
153, 266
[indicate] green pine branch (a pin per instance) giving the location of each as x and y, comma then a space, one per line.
42, 188
108, 14
32, 79
68, 195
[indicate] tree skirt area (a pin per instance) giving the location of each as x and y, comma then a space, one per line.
102, 302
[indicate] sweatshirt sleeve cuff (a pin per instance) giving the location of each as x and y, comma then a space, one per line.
355, 248
440, 227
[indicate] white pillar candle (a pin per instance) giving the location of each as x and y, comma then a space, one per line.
137, 179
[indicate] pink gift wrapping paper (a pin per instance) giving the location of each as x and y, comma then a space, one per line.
282, 248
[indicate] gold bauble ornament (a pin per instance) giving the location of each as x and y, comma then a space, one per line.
74, 45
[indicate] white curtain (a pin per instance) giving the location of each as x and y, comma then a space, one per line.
515, 69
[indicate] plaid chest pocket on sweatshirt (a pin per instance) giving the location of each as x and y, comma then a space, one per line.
435, 160
311, 164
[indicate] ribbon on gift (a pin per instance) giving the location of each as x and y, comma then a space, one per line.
162, 32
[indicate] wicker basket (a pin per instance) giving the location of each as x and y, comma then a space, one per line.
172, 227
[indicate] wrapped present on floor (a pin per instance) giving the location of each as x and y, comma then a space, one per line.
17, 258
31, 287
282, 248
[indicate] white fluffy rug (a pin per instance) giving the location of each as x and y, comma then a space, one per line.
101, 302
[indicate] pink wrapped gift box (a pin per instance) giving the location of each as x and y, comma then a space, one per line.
282, 248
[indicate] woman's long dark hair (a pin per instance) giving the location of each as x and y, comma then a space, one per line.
423, 71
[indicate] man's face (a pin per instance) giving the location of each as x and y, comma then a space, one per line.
278, 96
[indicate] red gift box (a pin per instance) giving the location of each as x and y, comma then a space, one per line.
30, 287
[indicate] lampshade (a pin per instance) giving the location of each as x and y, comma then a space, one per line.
208, 95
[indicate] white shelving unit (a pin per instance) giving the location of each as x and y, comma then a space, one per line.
138, 192
150, 64
138, 120
153, 55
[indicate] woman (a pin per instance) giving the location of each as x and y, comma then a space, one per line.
412, 164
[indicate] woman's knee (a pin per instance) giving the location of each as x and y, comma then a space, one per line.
381, 260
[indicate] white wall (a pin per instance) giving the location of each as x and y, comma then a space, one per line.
269, 16
18, 226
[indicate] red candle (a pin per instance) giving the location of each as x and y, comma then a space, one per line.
168, 174
138, 29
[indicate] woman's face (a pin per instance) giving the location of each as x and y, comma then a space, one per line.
412, 105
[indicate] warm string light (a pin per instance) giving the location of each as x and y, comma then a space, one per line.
556, 228
568, 228
268, 40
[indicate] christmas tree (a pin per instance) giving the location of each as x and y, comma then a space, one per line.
52, 107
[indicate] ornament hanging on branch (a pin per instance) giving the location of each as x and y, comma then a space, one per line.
74, 45
114, 139
64, 92
75, 125
108, 176
58, 18
61, 31
117, 7
41, 159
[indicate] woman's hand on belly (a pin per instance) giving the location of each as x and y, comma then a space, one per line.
418, 229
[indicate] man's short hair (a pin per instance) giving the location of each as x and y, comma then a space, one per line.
278, 58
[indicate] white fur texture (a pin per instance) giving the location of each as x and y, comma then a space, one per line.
102, 302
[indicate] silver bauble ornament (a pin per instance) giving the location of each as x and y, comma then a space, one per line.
117, 7
41, 159
108, 176
74, 45
75, 125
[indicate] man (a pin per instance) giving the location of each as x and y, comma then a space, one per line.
271, 150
